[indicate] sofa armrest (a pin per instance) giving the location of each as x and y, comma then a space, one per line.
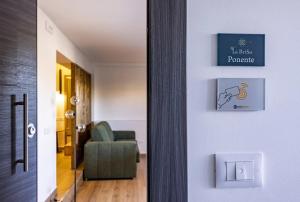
103, 160
124, 135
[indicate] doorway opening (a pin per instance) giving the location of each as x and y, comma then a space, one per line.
65, 133
73, 125
114, 154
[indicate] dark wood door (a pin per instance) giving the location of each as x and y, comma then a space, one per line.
18, 100
167, 120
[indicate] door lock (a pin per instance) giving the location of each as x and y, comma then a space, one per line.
31, 130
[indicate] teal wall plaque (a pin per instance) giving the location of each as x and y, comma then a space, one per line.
241, 50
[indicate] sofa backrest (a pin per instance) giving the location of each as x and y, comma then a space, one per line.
102, 132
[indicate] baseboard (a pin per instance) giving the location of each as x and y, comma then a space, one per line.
51, 198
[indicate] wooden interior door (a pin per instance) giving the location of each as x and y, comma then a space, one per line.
18, 100
81, 88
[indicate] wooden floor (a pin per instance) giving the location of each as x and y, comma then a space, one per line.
64, 175
116, 190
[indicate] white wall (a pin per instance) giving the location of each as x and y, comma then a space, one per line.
47, 46
120, 97
274, 131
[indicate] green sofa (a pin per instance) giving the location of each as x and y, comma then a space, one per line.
110, 154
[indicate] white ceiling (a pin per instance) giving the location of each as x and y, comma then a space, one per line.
108, 31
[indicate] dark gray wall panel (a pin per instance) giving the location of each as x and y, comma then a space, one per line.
18, 70
167, 134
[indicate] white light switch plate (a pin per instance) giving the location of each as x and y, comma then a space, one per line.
239, 170
244, 170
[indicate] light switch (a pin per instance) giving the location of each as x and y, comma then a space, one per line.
244, 170
239, 170
230, 171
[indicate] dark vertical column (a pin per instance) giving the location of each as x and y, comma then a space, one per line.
167, 122
18, 76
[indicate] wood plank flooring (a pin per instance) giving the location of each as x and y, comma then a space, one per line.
65, 177
116, 190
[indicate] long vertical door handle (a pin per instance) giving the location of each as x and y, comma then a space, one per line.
28, 131
25, 132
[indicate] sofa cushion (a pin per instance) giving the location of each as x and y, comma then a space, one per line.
96, 135
108, 130
102, 132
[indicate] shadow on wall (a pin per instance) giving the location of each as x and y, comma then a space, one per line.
211, 94
212, 175
214, 48
212, 83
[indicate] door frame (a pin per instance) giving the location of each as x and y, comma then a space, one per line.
166, 107
166, 101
